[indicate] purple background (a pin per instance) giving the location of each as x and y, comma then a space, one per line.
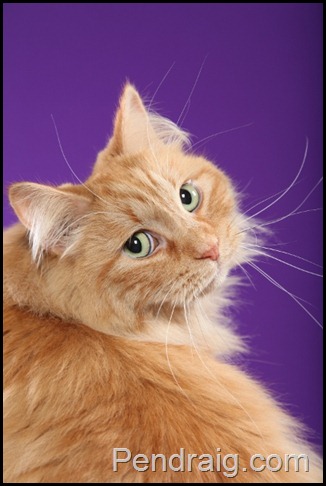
263, 67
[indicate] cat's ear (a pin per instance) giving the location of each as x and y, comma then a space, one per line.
132, 127
51, 215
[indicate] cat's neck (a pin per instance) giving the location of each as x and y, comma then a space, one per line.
50, 289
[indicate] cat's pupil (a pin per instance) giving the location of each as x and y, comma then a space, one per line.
134, 245
185, 196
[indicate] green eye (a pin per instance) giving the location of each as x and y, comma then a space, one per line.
190, 197
139, 245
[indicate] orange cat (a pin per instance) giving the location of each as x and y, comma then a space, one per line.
116, 345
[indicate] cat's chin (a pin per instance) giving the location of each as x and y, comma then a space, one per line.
212, 284
208, 287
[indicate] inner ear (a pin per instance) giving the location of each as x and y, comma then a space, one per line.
136, 129
50, 214
133, 131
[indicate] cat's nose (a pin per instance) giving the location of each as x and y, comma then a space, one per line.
211, 253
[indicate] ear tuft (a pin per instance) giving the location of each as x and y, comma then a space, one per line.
50, 215
168, 132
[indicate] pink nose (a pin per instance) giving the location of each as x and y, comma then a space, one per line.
212, 253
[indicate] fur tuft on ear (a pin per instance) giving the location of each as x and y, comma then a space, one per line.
136, 129
167, 131
51, 215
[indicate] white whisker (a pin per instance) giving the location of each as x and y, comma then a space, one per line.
192, 90
189, 328
288, 188
199, 142
282, 218
264, 200
201, 292
278, 285
69, 166
286, 253
160, 84
167, 355
293, 213
243, 190
161, 305
259, 252
307, 211
247, 275
218, 381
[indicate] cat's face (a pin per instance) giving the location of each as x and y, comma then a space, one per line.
151, 224
164, 219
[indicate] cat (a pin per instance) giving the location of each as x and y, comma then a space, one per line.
116, 345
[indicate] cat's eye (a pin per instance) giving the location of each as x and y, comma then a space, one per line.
189, 196
139, 245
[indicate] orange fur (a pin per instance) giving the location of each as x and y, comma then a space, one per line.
105, 351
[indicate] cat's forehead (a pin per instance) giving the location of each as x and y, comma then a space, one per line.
154, 170
140, 183
143, 191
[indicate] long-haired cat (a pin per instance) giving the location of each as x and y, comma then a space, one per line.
115, 336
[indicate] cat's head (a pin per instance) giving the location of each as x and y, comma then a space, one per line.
153, 224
